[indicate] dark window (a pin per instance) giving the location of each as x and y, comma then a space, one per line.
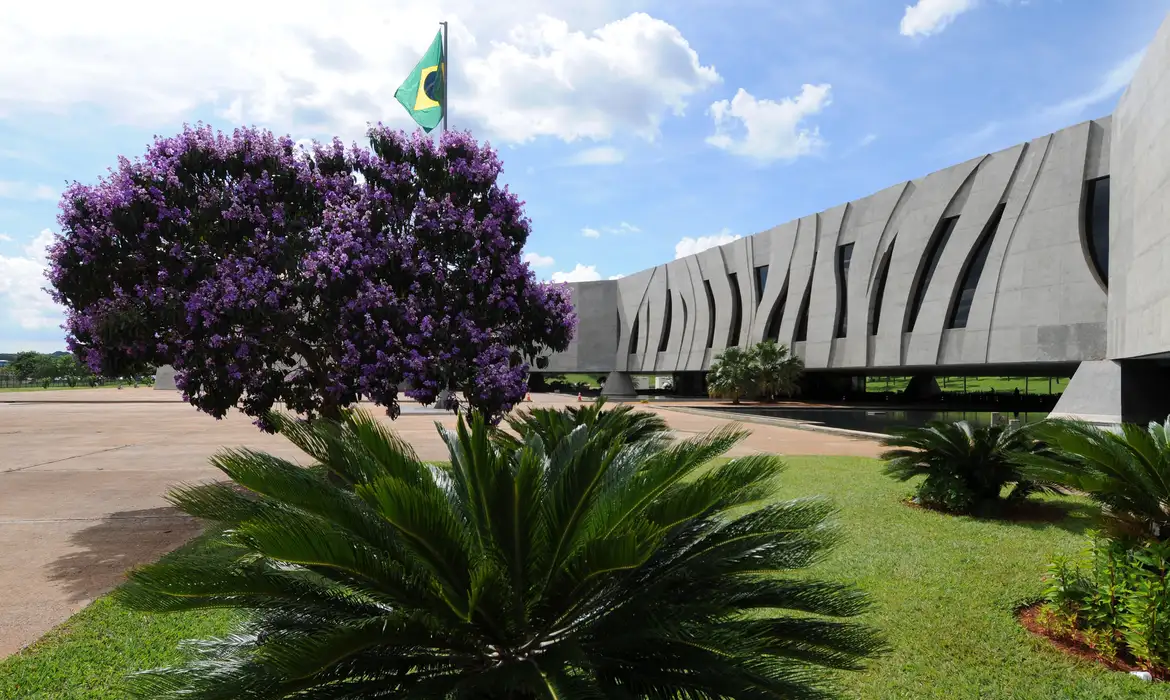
662, 341
802, 320
970, 277
1097, 225
875, 314
634, 335
736, 310
684, 303
802, 312
772, 330
934, 252
710, 313
761, 281
619, 333
844, 255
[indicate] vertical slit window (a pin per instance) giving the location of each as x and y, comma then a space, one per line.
736, 310
761, 282
633, 349
802, 313
970, 277
1097, 225
875, 314
844, 255
684, 304
772, 330
710, 313
665, 338
934, 251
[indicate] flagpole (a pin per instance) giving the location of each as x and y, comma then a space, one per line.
446, 65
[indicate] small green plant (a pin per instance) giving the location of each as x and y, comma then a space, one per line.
1117, 596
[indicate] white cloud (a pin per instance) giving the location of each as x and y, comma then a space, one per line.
625, 227
616, 277
690, 246
1113, 82
866, 140
24, 190
998, 133
927, 17
601, 155
5, 238
21, 281
538, 260
766, 130
517, 73
581, 273
590, 232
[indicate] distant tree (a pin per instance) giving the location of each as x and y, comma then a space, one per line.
734, 373
779, 372
31, 365
265, 273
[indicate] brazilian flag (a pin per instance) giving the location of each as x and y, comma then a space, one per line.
422, 91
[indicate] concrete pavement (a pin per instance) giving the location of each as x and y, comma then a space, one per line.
83, 474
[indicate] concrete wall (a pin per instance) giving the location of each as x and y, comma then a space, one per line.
1139, 221
1038, 299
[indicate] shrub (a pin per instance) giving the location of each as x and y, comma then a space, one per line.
1126, 472
966, 468
779, 372
1117, 596
574, 564
765, 369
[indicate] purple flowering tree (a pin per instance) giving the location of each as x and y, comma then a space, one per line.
268, 273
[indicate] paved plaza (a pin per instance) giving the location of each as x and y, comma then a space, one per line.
83, 474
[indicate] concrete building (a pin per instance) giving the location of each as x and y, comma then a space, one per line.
1049, 257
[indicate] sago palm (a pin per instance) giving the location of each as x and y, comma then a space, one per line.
965, 467
595, 569
554, 425
1126, 472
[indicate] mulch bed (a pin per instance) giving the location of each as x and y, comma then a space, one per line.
1074, 645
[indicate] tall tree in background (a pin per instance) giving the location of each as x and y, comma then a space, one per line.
733, 374
268, 273
779, 371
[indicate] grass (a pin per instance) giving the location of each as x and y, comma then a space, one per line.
1031, 385
944, 590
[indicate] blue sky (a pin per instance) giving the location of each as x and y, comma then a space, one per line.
634, 131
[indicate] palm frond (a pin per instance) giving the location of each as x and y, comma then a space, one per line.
581, 553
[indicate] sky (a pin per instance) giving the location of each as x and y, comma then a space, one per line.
635, 132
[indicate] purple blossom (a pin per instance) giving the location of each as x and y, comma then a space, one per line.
264, 273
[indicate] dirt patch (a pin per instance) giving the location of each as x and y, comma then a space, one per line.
1074, 644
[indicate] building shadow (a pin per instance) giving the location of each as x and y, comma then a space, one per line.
117, 543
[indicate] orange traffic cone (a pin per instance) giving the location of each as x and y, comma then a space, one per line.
579, 399
528, 398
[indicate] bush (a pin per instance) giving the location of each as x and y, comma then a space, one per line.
765, 370
591, 558
966, 468
1117, 597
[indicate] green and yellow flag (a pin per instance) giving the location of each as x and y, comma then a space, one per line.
422, 92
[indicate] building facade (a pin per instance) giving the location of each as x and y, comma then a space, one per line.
1052, 256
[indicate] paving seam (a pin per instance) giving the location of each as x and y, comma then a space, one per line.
778, 422
66, 459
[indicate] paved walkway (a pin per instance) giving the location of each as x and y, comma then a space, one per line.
83, 474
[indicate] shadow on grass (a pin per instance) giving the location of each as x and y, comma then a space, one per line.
121, 541
1072, 516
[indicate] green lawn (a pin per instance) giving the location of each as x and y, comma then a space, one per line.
944, 589
1031, 385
